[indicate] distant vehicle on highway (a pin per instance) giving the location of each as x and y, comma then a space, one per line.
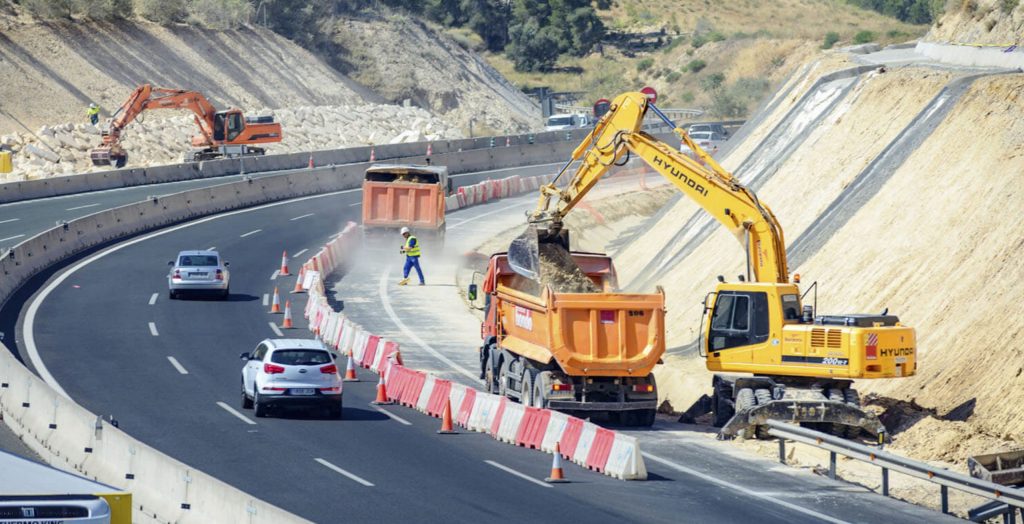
291, 372
198, 272
712, 128
565, 122
708, 141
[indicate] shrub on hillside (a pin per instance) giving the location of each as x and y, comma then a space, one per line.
162, 11
673, 77
863, 37
92, 9
219, 14
712, 82
644, 64
725, 104
831, 38
696, 65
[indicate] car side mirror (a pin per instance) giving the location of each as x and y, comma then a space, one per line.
334, 356
170, 263
226, 264
245, 356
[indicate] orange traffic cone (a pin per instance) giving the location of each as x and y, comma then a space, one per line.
430, 150
557, 476
284, 265
508, 141
311, 161
373, 156
287, 323
382, 393
446, 420
298, 281
350, 369
275, 306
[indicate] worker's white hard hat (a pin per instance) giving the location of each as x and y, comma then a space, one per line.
405, 230
93, 106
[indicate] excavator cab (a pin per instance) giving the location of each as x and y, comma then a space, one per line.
227, 125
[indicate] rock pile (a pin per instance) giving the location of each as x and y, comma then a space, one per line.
64, 149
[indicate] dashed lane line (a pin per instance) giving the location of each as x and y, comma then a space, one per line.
302, 216
11, 238
9, 220
277, 330
152, 329
152, 298
392, 416
235, 412
296, 255
273, 276
253, 232
352, 476
177, 365
82, 207
523, 476
266, 299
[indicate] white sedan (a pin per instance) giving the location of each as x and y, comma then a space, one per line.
289, 372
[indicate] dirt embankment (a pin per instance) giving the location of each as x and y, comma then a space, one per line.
992, 22
401, 58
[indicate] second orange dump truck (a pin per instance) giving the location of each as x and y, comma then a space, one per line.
578, 352
399, 195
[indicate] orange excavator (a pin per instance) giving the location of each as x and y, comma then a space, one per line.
221, 133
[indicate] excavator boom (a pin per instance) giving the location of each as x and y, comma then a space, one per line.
617, 135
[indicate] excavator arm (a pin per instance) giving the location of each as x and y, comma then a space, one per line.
618, 135
147, 97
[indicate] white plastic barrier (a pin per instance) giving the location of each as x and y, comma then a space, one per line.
508, 427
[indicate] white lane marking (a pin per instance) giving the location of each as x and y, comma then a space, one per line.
37, 302
81, 207
177, 365
234, 412
211, 248
152, 299
523, 476
11, 238
253, 232
266, 299
356, 204
382, 290
489, 213
352, 476
9, 220
392, 415
733, 487
296, 255
273, 276
152, 329
277, 330
302, 216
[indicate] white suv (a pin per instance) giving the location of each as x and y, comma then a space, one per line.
291, 372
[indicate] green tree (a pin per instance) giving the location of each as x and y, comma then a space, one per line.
489, 19
220, 14
532, 48
585, 29
863, 37
447, 12
712, 82
163, 12
831, 38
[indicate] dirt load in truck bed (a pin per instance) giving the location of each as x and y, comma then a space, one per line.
558, 270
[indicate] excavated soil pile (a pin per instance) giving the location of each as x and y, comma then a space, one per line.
558, 270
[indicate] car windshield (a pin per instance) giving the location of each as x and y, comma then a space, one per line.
701, 135
300, 357
560, 121
197, 260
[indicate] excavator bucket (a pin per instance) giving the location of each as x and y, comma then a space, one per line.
524, 252
104, 156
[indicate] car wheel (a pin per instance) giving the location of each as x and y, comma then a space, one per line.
171, 294
337, 412
224, 295
246, 401
259, 407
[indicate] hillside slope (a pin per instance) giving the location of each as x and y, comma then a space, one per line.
985, 22
874, 212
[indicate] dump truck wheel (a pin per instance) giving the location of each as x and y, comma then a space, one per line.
503, 378
645, 417
526, 388
538, 395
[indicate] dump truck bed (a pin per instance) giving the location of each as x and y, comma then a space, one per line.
601, 334
397, 204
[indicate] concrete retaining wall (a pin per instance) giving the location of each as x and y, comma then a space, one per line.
69, 436
972, 56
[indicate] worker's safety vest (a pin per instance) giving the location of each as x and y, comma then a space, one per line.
411, 250
92, 111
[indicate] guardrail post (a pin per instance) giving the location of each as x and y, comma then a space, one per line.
885, 482
782, 451
832, 465
944, 490
1010, 517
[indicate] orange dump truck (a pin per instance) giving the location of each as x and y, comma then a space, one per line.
581, 353
396, 196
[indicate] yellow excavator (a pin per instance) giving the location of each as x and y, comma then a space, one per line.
798, 366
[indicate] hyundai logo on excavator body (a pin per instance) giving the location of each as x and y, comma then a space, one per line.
680, 175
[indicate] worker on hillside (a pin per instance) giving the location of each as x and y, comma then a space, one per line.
93, 113
411, 250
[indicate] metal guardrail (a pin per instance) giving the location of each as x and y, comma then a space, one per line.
946, 479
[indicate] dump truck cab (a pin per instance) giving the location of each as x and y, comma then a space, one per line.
405, 195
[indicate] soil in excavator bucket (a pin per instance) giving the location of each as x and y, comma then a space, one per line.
542, 258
